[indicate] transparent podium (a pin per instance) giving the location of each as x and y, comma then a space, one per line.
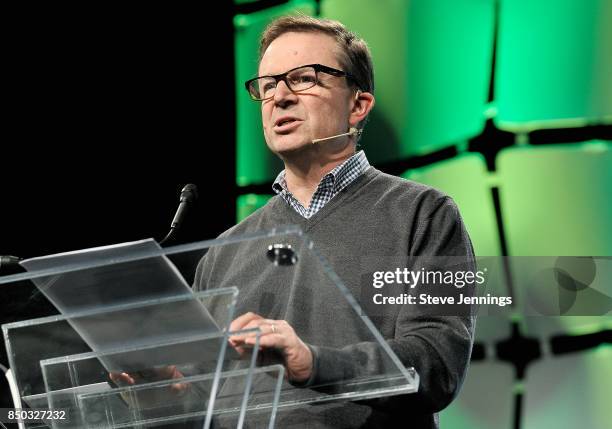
135, 345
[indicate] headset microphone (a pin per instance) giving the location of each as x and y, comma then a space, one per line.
352, 131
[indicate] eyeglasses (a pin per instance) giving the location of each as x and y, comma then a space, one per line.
297, 79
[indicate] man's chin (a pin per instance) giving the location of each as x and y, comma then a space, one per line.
289, 148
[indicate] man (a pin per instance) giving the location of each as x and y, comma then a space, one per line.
315, 85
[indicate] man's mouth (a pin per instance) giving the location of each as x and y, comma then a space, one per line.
285, 124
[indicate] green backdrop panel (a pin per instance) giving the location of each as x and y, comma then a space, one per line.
570, 391
556, 200
464, 178
554, 63
255, 163
248, 203
432, 66
470, 411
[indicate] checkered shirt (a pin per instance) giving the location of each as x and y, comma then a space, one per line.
329, 186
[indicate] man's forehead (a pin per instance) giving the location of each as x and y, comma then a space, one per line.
294, 49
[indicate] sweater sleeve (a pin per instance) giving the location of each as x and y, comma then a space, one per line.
437, 346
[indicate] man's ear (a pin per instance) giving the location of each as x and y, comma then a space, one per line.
362, 104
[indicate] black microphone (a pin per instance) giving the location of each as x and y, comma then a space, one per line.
189, 194
8, 261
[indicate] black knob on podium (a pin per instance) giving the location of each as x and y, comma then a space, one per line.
282, 254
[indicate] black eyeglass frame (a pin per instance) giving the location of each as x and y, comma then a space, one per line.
317, 67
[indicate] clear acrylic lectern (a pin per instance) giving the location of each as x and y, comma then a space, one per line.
135, 346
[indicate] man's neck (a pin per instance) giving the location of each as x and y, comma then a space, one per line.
305, 173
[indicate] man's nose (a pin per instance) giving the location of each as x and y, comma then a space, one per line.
283, 95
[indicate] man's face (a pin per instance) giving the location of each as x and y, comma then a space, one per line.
292, 120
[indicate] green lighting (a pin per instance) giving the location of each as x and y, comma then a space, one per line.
255, 163
554, 63
465, 179
248, 203
432, 64
555, 199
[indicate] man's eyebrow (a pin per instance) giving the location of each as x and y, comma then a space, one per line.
267, 74
282, 72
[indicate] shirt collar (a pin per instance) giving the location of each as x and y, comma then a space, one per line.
340, 176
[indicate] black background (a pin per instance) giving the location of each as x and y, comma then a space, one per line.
108, 112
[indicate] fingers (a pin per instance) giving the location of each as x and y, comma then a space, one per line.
272, 333
169, 372
166, 372
265, 326
246, 321
180, 388
277, 334
121, 378
148, 375
240, 323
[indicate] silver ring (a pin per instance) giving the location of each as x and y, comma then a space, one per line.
273, 326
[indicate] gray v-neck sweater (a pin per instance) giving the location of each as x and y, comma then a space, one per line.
378, 223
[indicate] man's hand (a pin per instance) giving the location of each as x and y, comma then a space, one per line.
169, 372
277, 334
